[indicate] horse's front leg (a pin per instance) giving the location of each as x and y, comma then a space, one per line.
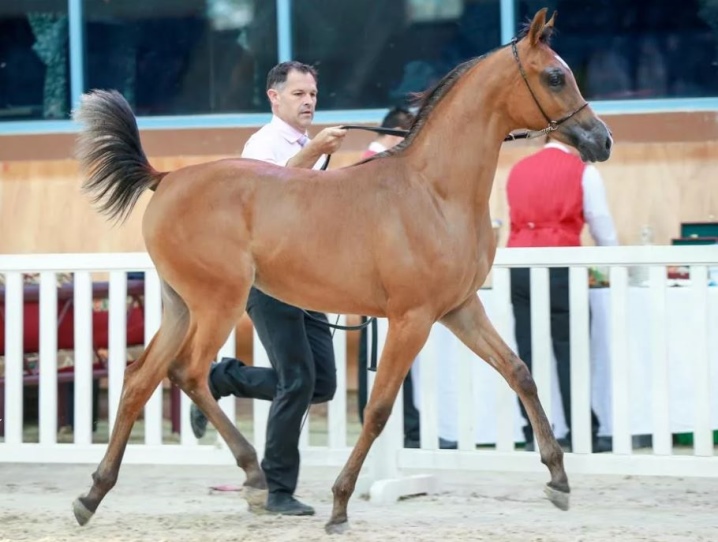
406, 336
471, 325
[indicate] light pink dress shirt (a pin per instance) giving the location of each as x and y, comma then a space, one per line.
277, 142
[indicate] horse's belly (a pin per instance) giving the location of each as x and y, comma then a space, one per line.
331, 288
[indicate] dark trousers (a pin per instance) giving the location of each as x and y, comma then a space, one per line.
411, 414
560, 333
303, 372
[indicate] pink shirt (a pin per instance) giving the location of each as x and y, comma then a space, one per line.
276, 142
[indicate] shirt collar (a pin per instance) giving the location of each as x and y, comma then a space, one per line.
556, 145
376, 147
288, 132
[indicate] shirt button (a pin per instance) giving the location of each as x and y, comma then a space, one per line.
531, 225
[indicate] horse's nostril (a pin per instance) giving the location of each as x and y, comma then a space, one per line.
609, 142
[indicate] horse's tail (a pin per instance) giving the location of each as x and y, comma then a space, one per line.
110, 153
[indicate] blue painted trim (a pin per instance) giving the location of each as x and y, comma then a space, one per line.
284, 29
659, 105
77, 51
508, 20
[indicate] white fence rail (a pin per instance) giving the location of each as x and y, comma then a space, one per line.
695, 362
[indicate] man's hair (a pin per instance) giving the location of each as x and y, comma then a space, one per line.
278, 75
398, 117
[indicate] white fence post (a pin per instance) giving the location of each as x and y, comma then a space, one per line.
84, 358
48, 357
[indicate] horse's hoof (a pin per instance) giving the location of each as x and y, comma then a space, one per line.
557, 497
82, 513
336, 527
256, 499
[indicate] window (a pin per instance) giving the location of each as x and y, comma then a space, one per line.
373, 54
636, 49
34, 60
182, 57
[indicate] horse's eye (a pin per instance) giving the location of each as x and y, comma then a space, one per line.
556, 79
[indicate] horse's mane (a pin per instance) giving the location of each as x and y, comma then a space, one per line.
430, 98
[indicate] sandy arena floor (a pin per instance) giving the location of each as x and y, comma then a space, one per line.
175, 504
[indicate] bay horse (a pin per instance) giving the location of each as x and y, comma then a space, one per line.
425, 247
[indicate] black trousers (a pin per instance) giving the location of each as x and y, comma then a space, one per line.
303, 372
560, 334
411, 414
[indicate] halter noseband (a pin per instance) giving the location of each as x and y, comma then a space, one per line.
552, 124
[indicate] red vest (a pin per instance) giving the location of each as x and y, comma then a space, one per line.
545, 196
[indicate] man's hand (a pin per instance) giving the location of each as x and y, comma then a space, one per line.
326, 142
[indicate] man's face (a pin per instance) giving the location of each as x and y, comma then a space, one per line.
294, 101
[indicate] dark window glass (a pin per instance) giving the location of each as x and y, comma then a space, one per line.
34, 60
371, 54
181, 57
621, 49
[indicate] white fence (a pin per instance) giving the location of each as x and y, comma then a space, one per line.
389, 458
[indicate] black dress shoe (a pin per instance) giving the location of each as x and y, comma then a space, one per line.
197, 420
287, 505
443, 444
602, 445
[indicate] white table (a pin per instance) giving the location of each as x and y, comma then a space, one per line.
681, 321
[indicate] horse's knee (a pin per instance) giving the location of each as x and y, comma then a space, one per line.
522, 381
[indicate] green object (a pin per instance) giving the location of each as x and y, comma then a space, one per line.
686, 439
695, 241
699, 229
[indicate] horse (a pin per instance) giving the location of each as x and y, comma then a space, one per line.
426, 245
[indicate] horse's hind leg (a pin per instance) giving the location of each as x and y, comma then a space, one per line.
210, 325
404, 341
471, 325
141, 379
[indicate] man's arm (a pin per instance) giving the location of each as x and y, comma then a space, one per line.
306, 158
326, 142
595, 208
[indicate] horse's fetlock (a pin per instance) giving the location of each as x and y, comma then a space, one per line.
342, 489
552, 456
104, 480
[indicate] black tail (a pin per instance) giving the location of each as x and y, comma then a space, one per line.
110, 154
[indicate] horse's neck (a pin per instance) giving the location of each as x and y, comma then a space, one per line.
458, 148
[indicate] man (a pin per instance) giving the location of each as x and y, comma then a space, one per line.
300, 349
552, 194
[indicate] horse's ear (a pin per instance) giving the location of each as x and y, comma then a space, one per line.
537, 26
552, 20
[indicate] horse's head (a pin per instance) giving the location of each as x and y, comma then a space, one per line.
548, 96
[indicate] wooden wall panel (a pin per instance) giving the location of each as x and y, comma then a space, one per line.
659, 184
